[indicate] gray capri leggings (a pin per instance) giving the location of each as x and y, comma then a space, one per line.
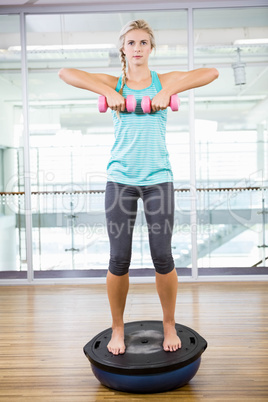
121, 202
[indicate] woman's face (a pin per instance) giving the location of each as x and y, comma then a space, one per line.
137, 46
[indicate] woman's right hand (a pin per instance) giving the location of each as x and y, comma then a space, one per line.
116, 101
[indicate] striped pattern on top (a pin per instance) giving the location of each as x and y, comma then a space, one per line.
139, 155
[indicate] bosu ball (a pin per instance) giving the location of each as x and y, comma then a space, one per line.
145, 367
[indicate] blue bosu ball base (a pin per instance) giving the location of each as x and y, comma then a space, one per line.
145, 367
148, 383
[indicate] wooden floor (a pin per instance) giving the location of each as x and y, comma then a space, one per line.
43, 330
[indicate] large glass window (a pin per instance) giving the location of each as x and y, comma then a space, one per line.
71, 141
231, 138
12, 222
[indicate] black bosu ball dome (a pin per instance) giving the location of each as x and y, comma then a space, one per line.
145, 367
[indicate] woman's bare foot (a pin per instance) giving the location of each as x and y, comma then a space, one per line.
117, 345
171, 340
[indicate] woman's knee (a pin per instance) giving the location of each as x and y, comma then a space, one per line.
119, 264
163, 262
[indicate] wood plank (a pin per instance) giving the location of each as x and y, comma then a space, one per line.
43, 330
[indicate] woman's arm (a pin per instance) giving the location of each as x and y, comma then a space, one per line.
177, 81
102, 84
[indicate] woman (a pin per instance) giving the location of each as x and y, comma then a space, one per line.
139, 167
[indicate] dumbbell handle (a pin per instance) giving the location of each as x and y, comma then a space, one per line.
174, 103
131, 103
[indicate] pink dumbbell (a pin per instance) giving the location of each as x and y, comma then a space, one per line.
131, 104
102, 104
174, 103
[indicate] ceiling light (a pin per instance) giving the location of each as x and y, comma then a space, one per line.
239, 70
263, 41
56, 48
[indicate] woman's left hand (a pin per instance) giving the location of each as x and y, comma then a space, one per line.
160, 101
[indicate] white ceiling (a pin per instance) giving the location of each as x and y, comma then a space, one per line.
214, 36
33, 3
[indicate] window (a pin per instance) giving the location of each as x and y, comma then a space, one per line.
12, 223
231, 137
71, 141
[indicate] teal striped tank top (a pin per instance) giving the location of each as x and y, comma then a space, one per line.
139, 155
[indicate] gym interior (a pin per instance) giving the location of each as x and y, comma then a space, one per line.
54, 149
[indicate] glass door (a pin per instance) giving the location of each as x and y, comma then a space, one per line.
231, 141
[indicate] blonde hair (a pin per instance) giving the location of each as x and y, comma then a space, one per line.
130, 26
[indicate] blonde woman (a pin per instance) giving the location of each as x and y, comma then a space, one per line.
139, 167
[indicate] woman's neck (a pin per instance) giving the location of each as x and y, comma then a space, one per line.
138, 73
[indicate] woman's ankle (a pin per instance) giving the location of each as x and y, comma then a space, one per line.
118, 324
170, 321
